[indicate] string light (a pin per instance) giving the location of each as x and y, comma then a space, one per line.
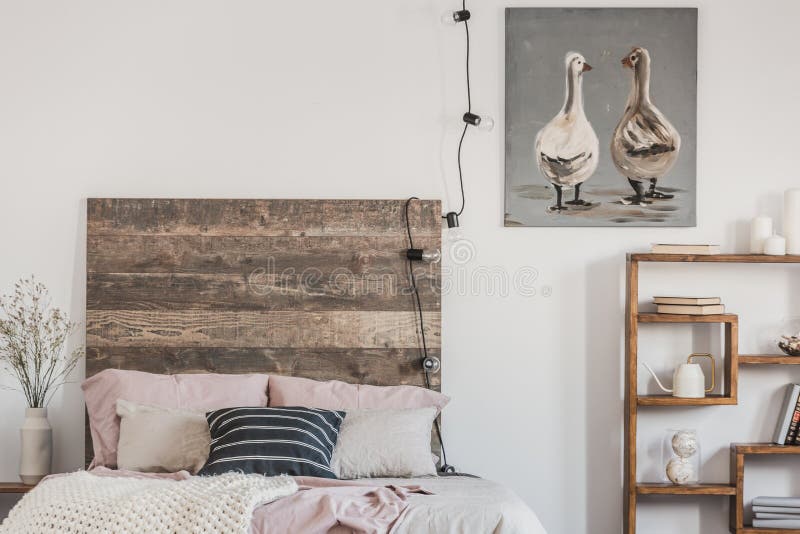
480, 122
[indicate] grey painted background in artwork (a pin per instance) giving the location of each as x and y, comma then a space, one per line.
537, 40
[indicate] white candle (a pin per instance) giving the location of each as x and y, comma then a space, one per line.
775, 246
760, 230
791, 220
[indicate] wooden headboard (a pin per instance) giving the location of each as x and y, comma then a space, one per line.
311, 288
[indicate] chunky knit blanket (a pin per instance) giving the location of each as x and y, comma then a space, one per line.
85, 503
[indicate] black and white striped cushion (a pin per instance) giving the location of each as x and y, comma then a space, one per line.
273, 441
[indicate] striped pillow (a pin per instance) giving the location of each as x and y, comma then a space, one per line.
273, 441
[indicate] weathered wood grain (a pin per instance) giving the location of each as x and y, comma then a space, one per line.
262, 291
274, 329
245, 217
312, 288
380, 367
243, 255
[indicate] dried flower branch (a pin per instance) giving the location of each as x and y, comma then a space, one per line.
32, 339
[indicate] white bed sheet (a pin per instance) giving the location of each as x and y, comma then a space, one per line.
463, 505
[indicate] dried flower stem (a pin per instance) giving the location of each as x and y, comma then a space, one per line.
32, 339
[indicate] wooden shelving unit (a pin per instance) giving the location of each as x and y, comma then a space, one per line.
739, 451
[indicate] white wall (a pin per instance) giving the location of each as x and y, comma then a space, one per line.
361, 98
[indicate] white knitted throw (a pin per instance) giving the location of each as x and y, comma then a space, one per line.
84, 503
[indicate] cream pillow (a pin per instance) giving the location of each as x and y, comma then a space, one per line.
385, 443
161, 440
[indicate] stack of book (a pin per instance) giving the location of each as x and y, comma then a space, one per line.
777, 513
701, 250
689, 305
786, 432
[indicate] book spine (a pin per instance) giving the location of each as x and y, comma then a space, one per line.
782, 428
791, 438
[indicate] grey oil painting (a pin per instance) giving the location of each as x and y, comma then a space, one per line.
601, 117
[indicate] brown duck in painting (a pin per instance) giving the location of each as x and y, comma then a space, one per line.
566, 149
645, 145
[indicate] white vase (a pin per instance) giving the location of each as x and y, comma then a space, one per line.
36, 440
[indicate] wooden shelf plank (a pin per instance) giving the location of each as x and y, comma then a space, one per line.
15, 487
768, 359
669, 400
764, 448
753, 530
716, 258
677, 318
692, 489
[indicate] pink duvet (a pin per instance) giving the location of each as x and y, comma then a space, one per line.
320, 506
334, 506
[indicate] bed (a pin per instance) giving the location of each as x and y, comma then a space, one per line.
289, 288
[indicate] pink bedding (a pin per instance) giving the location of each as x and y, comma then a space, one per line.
332, 506
321, 506
447, 505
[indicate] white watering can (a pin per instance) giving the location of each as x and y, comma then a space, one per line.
689, 382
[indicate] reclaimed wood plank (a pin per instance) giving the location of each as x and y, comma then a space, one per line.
262, 291
380, 367
258, 217
274, 329
245, 254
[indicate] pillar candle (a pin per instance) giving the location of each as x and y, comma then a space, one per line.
791, 220
775, 246
760, 230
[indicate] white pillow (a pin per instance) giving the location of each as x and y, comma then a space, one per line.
385, 443
161, 440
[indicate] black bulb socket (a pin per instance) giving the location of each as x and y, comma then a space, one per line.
452, 219
462, 15
472, 119
414, 254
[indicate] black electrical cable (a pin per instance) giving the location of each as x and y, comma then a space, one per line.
411, 277
469, 110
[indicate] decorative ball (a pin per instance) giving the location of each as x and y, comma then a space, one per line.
680, 471
684, 443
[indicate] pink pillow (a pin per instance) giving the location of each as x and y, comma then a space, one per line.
336, 395
200, 392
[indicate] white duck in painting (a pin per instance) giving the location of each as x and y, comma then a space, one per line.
645, 145
567, 149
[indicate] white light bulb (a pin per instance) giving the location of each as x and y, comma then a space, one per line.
452, 18
449, 18
486, 124
432, 256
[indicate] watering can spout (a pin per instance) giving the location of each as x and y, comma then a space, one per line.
667, 390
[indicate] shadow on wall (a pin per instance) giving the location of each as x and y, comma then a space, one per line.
605, 357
